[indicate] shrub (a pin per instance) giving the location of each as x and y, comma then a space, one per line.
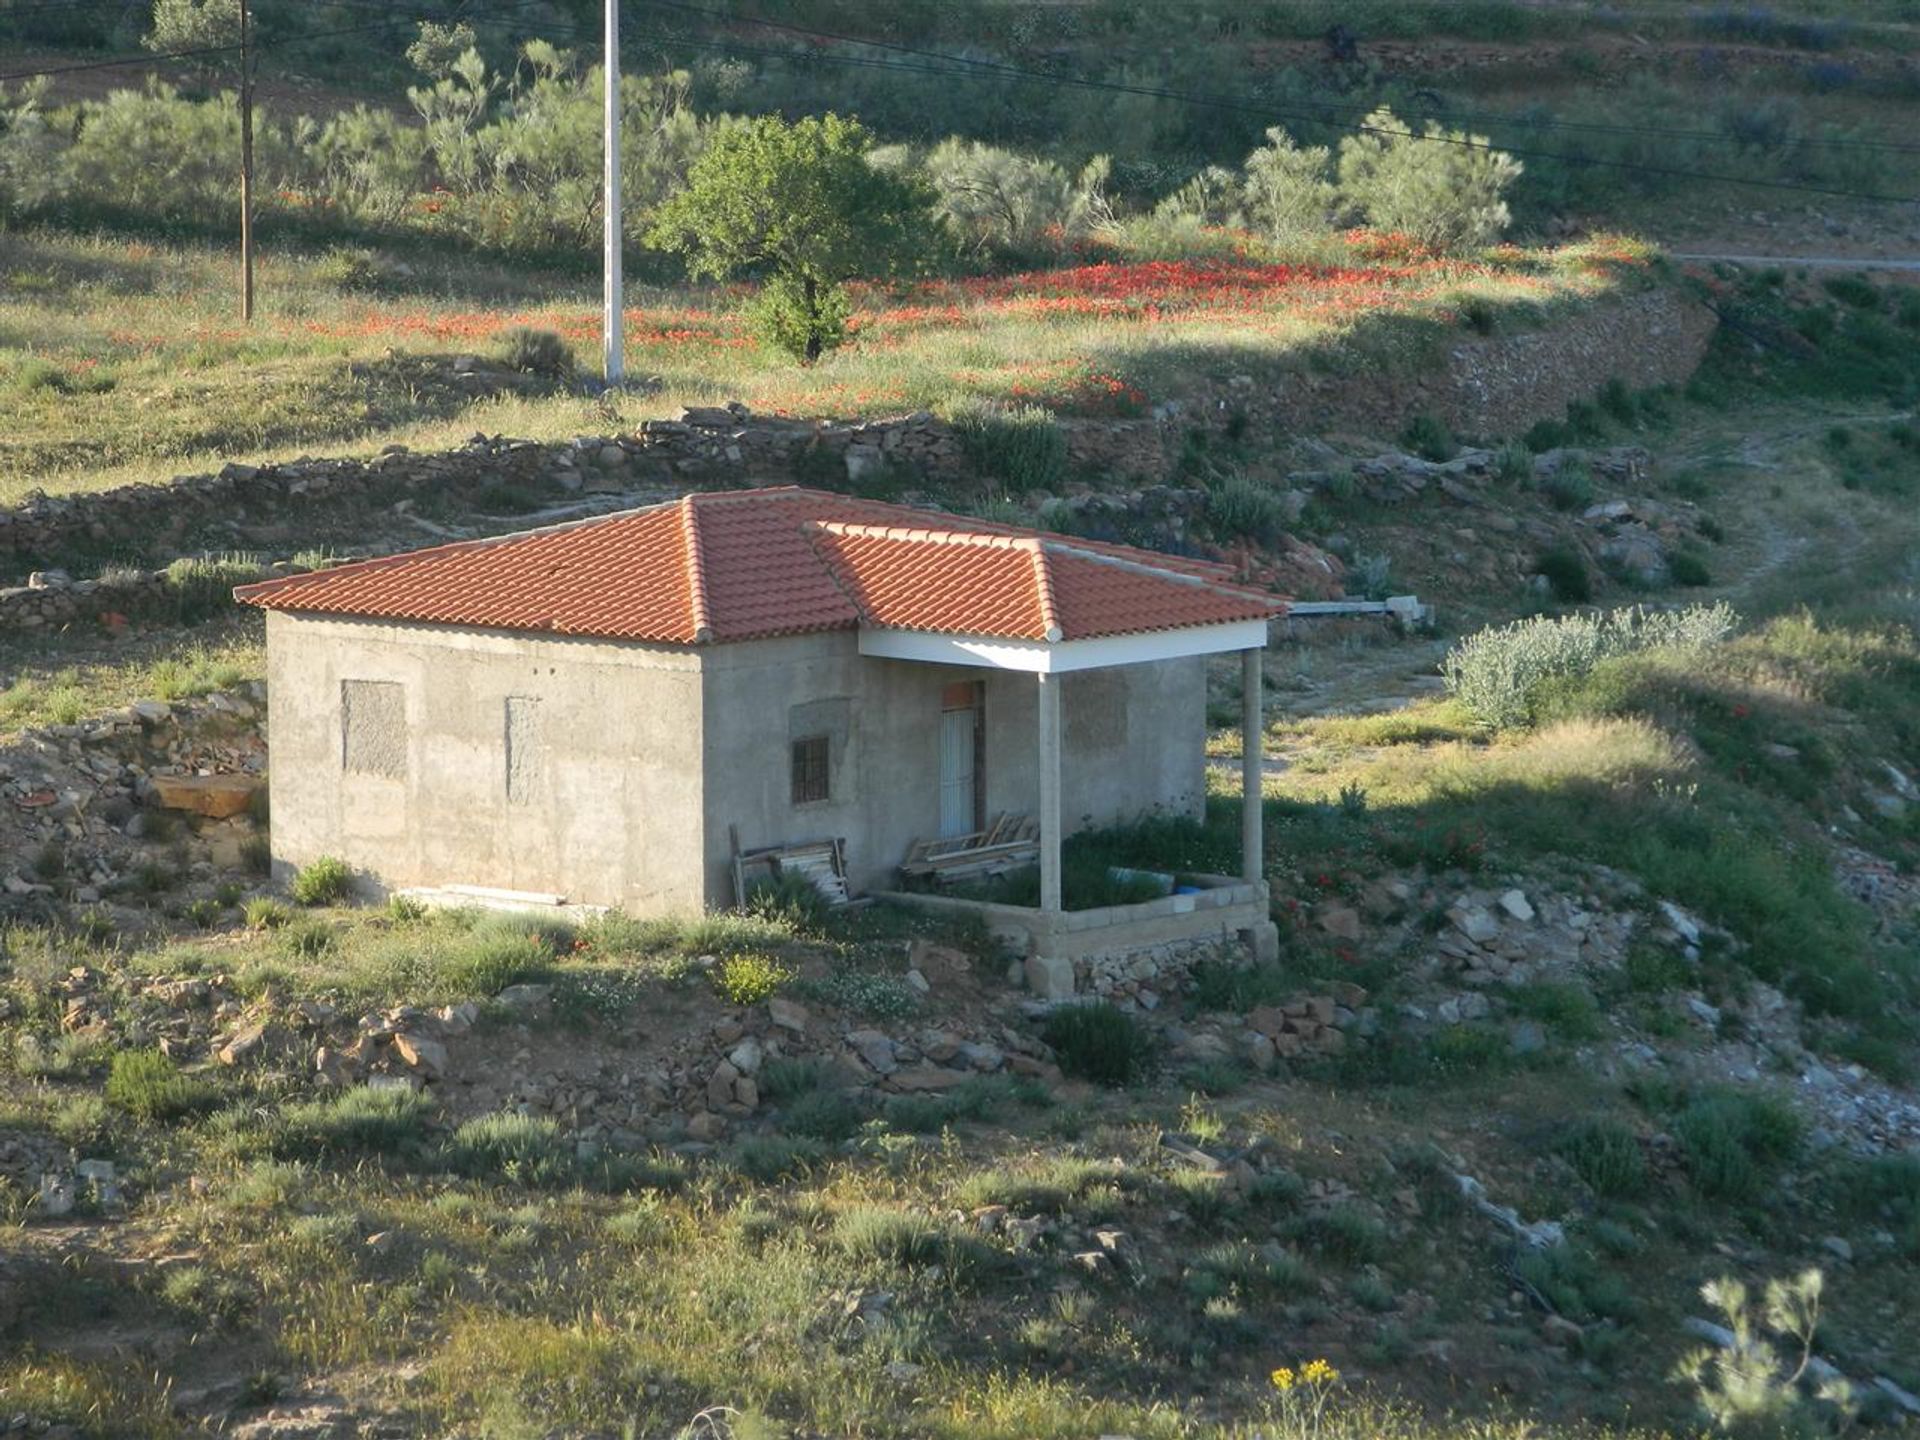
767, 1158
750, 978
1440, 188
1099, 1042
149, 1086
1286, 190
353, 271
1000, 200
1570, 486
1687, 568
1734, 1139
1494, 672
200, 588
1243, 509
1428, 437
829, 1116
536, 352
325, 881
1020, 445
1606, 1154
1565, 570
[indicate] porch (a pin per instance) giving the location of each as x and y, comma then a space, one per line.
1051, 938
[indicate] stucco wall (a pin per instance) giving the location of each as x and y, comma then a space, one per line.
611, 773
524, 762
1133, 742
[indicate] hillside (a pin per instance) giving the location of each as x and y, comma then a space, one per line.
1600, 969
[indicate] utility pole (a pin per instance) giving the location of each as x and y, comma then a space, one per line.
246, 165
612, 338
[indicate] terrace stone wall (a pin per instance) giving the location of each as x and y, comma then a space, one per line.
1485, 386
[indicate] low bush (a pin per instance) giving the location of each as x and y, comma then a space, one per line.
750, 978
1243, 509
149, 1086
1735, 1139
1606, 1155
325, 881
1021, 446
1494, 673
1429, 438
1688, 568
1099, 1042
829, 1116
1236, 989
536, 352
1565, 571
1569, 486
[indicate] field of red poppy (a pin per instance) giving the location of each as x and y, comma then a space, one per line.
126, 362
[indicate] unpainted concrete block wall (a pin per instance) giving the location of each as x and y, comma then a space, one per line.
526, 762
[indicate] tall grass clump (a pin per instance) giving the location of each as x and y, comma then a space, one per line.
198, 588
1099, 1042
149, 1086
1494, 673
323, 882
1239, 508
1020, 445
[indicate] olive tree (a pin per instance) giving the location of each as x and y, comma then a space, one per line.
800, 205
1443, 188
1288, 192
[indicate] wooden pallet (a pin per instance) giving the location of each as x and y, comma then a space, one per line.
1011, 842
822, 862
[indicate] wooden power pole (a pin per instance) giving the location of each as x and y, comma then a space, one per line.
246, 164
612, 338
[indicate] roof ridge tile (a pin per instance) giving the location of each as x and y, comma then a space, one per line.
699, 610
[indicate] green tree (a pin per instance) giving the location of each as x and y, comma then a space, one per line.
195, 25
999, 199
1444, 188
801, 204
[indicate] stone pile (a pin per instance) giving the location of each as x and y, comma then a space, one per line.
1307, 1025
85, 795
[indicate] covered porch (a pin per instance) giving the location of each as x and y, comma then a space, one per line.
1051, 936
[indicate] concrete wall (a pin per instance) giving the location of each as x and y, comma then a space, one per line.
1134, 742
610, 773
525, 762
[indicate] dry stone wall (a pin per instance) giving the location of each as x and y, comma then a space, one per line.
1485, 386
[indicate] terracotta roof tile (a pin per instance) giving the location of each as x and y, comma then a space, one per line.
738, 565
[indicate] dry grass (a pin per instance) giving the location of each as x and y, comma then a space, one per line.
100, 329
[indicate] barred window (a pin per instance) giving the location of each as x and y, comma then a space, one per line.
810, 765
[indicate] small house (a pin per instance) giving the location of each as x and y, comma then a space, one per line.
615, 710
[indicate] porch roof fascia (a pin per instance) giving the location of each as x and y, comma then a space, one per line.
1036, 657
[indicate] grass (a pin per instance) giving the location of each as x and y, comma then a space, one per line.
50, 687
315, 372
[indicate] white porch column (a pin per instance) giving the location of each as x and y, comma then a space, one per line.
1252, 752
1049, 760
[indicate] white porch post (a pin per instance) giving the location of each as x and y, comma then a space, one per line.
1252, 742
1049, 760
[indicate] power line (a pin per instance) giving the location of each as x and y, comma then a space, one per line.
1001, 68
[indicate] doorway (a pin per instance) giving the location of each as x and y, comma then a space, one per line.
963, 771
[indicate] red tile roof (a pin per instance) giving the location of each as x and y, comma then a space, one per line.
745, 564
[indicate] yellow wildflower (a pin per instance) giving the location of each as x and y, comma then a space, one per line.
1283, 1379
1319, 1372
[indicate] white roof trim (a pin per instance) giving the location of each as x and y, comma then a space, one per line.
1041, 658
